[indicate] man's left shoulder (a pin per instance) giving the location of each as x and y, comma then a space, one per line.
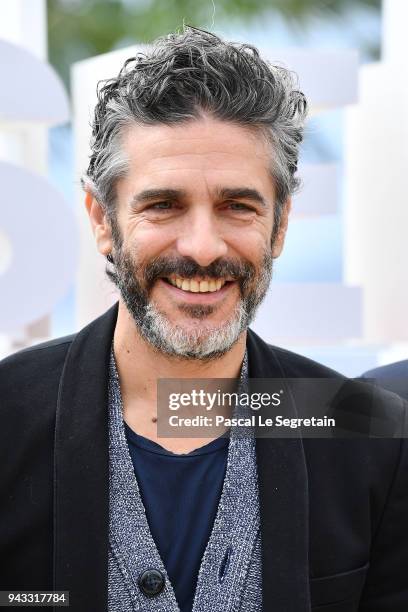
352, 397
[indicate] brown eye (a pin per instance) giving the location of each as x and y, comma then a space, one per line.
238, 206
161, 206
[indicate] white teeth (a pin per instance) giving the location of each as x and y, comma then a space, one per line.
197, 286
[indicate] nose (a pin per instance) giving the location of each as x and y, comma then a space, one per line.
201, 241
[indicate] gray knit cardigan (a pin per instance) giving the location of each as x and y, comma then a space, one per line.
229, 579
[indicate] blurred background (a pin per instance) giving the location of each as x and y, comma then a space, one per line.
340, 291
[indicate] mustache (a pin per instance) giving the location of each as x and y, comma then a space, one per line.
186, 267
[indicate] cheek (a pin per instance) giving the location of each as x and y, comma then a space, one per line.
251, 245
256, 230
148, 240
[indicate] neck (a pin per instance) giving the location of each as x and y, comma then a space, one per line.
140, 365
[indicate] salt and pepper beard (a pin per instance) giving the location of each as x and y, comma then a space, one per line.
206, 342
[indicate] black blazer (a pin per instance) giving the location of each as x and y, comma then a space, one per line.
393, 377
334, 513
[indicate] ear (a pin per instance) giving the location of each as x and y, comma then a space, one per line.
100, 225
283, 226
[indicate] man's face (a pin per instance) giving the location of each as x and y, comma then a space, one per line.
192, 247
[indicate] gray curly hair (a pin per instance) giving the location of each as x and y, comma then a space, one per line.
183, 76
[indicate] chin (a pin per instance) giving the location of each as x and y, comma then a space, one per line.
193, 340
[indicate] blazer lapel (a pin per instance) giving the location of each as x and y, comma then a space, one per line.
81, 469
283, 492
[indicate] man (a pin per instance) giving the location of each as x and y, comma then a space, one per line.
393, 377
194, 157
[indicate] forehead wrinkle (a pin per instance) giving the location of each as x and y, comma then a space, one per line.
195, 154
258, 146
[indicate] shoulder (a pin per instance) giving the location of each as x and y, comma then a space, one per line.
35, 358
30, 377
399, 368
295, 365
351, 396
393, 377
267, 360
347, 398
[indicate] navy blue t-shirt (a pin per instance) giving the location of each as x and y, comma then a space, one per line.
180, 494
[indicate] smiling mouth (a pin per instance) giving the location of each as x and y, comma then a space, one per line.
197, 285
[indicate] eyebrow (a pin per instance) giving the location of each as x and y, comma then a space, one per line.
224, 193
153, 194
245, 193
